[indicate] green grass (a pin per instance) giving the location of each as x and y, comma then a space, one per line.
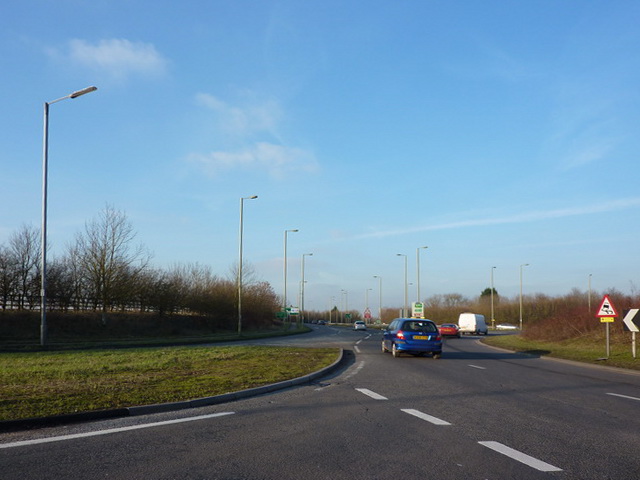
589, 349
55, 383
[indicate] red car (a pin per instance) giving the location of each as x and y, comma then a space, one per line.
449, 330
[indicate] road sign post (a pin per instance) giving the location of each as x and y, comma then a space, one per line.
607, 314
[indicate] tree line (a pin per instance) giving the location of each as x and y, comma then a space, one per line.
103, 270
544, 317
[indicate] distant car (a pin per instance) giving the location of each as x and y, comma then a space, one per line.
412, 335
359, 325
449, 330
321, 322
506, 326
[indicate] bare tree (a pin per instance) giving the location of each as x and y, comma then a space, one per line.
24, 246
108, 260
7, 277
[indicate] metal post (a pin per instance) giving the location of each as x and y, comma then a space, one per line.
492, 317
302, 289
418, 297
523, 265
43, 232
379, 296
240, 262
406, 286
284, 299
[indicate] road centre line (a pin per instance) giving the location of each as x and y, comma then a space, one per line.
424, 416
521, 457
371, 394
624, 396
478, 367
356, 349
37, 441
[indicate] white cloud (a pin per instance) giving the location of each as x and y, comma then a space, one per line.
276, 160
252, 138
116, 57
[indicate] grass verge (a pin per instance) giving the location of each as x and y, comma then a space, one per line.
55, 383
584, 349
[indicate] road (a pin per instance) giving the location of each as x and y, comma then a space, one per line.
477, 413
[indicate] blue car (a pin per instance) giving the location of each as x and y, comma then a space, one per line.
416, 336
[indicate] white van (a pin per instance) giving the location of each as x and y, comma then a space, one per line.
472, 323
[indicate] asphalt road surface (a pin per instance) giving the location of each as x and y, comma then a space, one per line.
476, 413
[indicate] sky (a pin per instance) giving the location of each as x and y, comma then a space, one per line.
495, 133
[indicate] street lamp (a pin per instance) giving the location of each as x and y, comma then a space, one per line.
43, 240
379, 296
404, 309
302, 288
523, 265
240, 262
493, 321
589, 298
346, 303
284, 298
418, 272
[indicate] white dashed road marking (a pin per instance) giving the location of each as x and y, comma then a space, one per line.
624, 396
521, 457
476, 366
371, 394
424, 416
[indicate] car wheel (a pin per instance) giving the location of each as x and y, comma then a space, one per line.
394, 351
437, 355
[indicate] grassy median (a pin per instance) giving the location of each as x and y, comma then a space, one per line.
55, 383
588, 349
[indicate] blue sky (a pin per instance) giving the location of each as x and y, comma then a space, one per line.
497, 133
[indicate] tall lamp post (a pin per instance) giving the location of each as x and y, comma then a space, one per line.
302, 288
493, 321
346, 302
240, 262
418, 272
523, 265
284, 298
379, 296
404, 308
43, 239
589, 298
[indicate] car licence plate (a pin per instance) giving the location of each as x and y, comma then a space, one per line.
420, 337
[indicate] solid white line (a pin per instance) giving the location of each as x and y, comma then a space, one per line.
424, 416
109, 431
623, 396
521, 457
476, 366
371, 394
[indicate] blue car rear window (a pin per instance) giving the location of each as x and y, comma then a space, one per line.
418, 326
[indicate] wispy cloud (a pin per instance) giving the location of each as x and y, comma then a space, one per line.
251, 134
525, 217
255, 117
118, 58
276, 160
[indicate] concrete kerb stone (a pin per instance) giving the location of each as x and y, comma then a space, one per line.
12, 425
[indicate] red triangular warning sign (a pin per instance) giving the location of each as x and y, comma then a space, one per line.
606, 308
